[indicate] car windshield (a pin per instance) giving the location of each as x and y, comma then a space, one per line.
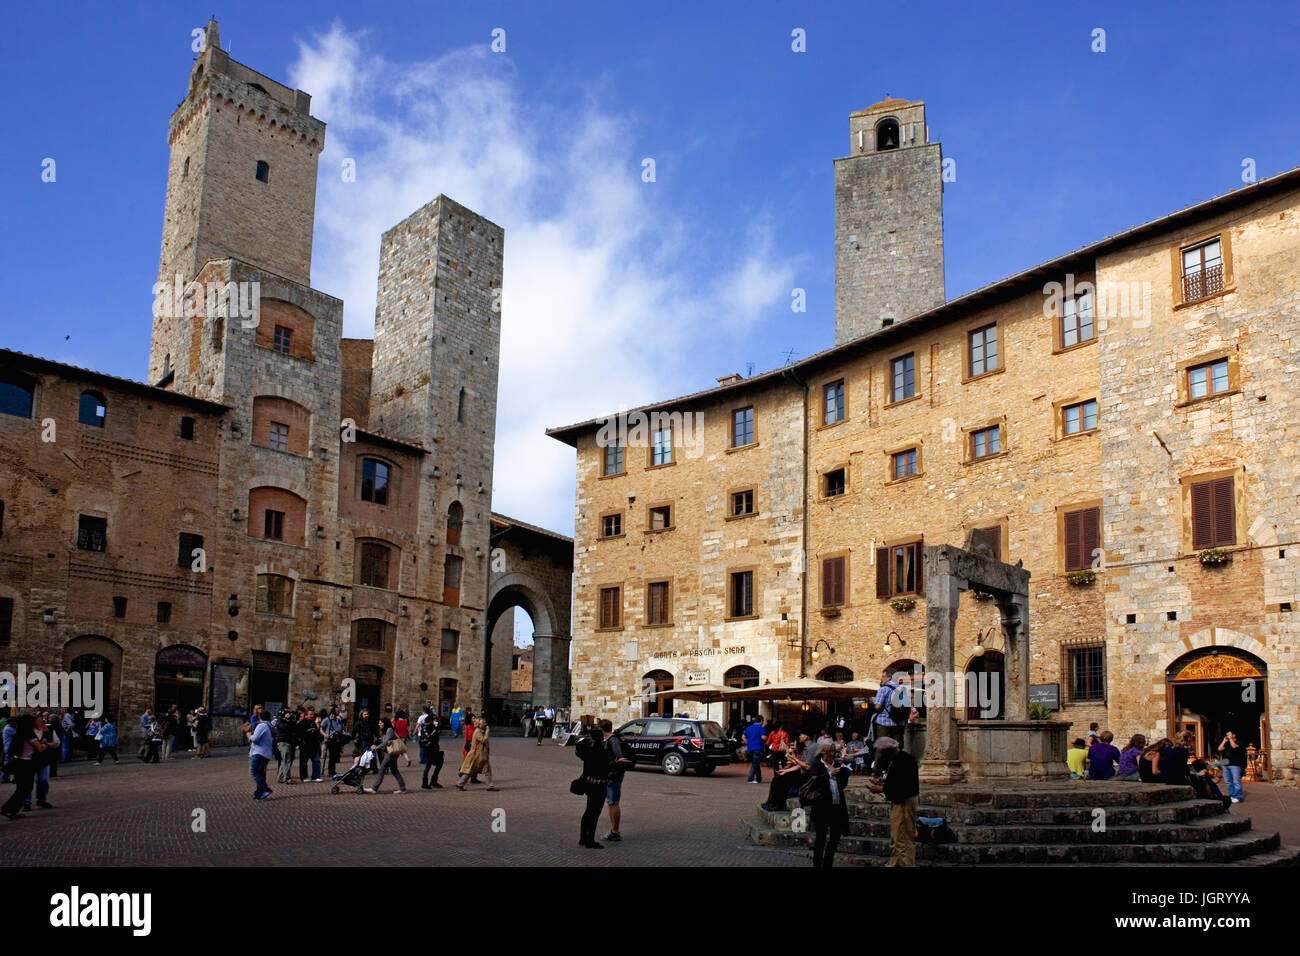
709, 728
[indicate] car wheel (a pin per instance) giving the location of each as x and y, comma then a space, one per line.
674, 764
704, 769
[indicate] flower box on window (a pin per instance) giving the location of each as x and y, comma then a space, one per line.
1081, 579
1213, 557
903, 604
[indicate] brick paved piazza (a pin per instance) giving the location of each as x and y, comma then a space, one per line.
136, 814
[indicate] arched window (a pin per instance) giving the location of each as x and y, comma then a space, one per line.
742, 675
92, 409
887, 135
263, 171
16, 392
455, 518
374, 481
657, 703
178, 678
836, 674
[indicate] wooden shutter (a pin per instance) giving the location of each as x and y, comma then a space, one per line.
609, 607
1074, 541
832, 582
918, 558
882, 572
658, 610
1202, 515
1090, 533
1225, 512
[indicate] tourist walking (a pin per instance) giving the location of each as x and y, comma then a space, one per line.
1234, 755
68, 723
401, 726
47, 762
593, 753
146, 722
539, 723
27, 743
830, 807
202, 733
259, 754
431, 751
388, 749
332, 730
476, 759
7, 738
898, 780
754, 739
621, 761
171, 727
153, 742
363, 734
108, 740
92, 738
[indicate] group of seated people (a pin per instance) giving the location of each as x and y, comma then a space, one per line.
1168, 761
792, 760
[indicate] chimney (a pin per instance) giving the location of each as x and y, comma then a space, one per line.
731, 379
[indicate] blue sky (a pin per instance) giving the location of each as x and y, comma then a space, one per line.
619, 291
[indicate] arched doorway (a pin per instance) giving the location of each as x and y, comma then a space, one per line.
178, 674
94, 654
839, 713
521, 591
986, 687
370, 688
742, 675
656, 706
1216, 689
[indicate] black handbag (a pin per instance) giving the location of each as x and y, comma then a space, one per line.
578, 786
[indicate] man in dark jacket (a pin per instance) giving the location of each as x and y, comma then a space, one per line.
594, 755
830, 806
309, 741
897, 778
431, 746
282, 733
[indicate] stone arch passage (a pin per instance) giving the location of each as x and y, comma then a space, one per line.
530, 568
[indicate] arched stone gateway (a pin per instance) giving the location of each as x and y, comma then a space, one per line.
1214, 689
531, 568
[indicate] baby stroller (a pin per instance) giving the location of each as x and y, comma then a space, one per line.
355, 775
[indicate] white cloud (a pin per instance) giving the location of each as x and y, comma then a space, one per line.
601, 306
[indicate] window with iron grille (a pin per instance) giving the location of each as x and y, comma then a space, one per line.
283, 339
659, 608
742, 427
1202, 270
1208, 379
611, 607
904, 463
903, 378
611, 526
983, 344
614, 459
742, 594
374, 481
742, 503
92, 533
278, 437
273, 525
834, 402
1086, 667
1076, 320
1081, 417
374, 560
986, 442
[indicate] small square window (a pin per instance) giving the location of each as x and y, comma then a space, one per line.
611, 526
263, 171
187, 428
273, 525
986, 442
278, 438
742, 503
374, 481
92, 533
188, 544
983, 346
1208, 379
661, 518
834, 483
119, 607
1130, 618
904, 463
164, 612
1079, 418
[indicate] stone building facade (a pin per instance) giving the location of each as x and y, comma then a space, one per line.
1119, 419
280, 514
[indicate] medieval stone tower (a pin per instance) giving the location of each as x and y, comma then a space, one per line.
888, 220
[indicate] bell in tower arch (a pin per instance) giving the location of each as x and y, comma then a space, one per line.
887, 135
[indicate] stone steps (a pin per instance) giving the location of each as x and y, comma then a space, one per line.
1177, 811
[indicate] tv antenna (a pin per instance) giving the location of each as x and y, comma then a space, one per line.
789, 356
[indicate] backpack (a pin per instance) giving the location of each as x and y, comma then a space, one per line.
430, 733
898, 713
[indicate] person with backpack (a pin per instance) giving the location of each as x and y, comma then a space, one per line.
593, 784
431, 748
283, 734
620, 762
892, 709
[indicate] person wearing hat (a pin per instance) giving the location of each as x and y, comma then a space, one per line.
895, 775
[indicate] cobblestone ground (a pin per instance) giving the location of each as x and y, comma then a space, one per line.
137, 814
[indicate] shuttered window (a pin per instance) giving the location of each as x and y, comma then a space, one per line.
1214, 514
995, 539
1082, 538
658, 604
833, 584
374, 565
899, 570
611, 607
